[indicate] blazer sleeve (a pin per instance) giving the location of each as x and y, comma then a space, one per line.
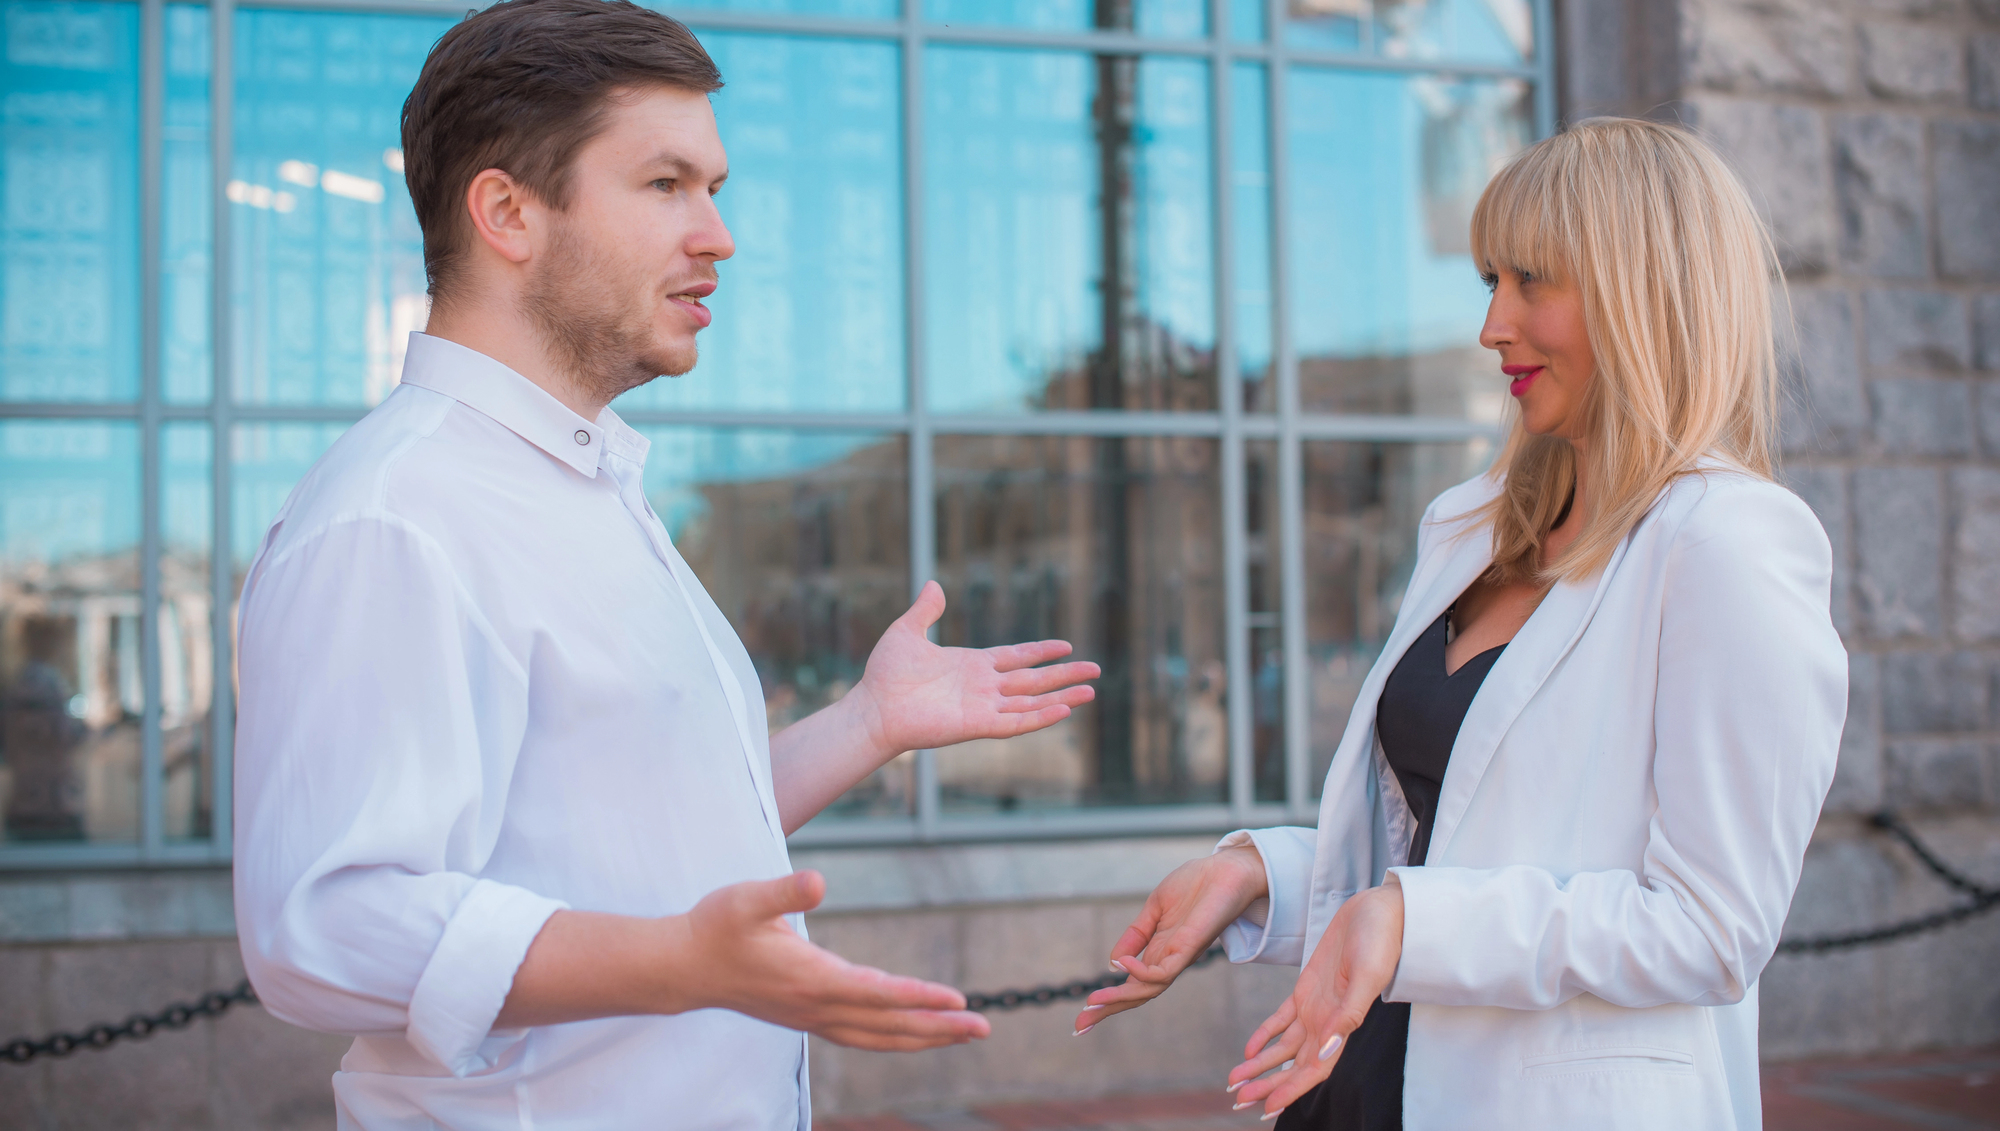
1751, 700
1276, 932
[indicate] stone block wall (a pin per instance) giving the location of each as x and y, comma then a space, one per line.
1869, 130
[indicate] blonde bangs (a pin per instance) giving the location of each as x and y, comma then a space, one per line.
1676, 272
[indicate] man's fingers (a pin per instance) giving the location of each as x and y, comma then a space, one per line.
864, 987
1068, 698
929, 606
864, 1036
1040, 681
927, 1024
1008, 657
756, 900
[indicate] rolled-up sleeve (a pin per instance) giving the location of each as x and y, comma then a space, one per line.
1278, 935
1750, 703
378, 723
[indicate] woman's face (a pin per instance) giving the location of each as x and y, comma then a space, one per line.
1536, 326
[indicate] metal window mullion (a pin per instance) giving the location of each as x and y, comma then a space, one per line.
923, 508
1291, 487
1544, 60
1229, 395
222, 703
152, 94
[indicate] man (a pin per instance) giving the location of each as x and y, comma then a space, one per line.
508, 811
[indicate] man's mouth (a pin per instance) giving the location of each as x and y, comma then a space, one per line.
690, 301
1523, 375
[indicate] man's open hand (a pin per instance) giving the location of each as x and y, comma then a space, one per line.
915, 695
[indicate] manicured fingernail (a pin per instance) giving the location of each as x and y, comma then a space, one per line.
1231, 1089
1331, 1044
1270, 1115
1088, 1008
1082, 1031
1244, 1104
1117, 969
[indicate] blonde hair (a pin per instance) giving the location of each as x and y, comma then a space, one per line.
1677, 274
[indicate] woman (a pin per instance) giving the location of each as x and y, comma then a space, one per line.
1561, 831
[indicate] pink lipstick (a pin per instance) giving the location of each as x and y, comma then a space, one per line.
1523, 375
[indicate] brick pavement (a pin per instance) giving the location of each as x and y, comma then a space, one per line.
1954, 1091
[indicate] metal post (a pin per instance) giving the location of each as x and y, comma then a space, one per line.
923, 505
1291, 486
1229, 396
152, 96
222, 710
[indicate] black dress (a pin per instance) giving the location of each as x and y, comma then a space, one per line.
1417, 720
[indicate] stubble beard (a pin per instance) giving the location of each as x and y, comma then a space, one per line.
599, 333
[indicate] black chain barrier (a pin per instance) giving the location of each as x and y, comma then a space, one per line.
180, 1015
139, 1026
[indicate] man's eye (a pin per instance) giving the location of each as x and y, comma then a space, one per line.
664, 185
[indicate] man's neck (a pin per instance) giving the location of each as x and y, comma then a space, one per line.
512, 342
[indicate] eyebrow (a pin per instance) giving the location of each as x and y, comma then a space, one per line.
684, 168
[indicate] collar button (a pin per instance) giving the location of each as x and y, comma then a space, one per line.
582, 437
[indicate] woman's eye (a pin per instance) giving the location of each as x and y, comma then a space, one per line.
1492, 282
1527, 277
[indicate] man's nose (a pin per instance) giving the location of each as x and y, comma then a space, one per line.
711, 239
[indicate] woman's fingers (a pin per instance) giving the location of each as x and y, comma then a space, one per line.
1243, 1079
1279, 1021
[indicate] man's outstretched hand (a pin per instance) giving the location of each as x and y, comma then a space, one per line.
915, 695
733, 950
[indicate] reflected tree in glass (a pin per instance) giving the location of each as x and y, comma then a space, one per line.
186, 629
802, 539
1113, 544
1482, 31
1068, 223
71, 697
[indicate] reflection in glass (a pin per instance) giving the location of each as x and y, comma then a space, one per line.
69, 240
1362, 505
71, 696
329, 272
186, 629
862, 9
1068, 235
1113, 544
1173, 19
1475, 31
1250, 188
1264, 564
187, 212
809, 314
266, 462
802, 538
1386, 302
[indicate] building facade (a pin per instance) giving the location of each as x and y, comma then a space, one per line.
1146, 323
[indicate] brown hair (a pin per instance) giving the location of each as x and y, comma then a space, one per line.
522, 86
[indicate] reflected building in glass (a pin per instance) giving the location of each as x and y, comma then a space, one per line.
1147, 324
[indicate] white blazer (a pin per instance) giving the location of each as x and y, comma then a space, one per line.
1620, 828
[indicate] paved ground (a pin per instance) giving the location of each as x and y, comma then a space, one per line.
1957, 1091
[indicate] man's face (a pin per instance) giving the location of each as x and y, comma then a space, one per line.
619, 275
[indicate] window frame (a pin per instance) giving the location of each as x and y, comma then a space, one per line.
1230, 423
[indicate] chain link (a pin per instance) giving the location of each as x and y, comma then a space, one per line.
139, 1026
180, 1015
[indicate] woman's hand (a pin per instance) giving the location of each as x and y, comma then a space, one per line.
1181, 918
1354, 964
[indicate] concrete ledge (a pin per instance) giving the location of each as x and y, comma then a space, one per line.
110, 906
963, 875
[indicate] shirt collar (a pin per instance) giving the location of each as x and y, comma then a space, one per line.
529, 411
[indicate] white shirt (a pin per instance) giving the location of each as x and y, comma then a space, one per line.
478, 685
1621, 825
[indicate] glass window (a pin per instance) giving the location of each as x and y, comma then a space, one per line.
1067, 234
1250, 186
71, 699
186, 629
802, 540
69, 243
1112, 543
1386, 303
1362, 505
867, 9
266, 462
809, 313
1246, 20
1165, 18
1264, 565
1480, 31
187, 212
328, 261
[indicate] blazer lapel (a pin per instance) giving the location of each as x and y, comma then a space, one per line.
1552, 630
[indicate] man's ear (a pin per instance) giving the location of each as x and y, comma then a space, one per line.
499, 209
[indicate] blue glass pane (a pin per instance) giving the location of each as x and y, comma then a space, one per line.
187, 212
329, 275
186, 629
1176, 19
1046, 289
266, 462
1386, 304
863, 9
69, 125
1246, 20
1250, 184
71, 695
1480, 31
803, 540
809, 314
